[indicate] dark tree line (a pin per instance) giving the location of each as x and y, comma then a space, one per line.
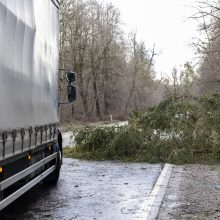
115, 74
208, 46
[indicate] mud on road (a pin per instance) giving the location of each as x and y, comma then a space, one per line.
89, 190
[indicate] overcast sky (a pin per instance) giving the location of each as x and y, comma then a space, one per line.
164, 23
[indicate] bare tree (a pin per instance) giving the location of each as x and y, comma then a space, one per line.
140, 71
208, 47
113, 76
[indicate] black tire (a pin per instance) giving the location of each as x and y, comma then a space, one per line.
53, 178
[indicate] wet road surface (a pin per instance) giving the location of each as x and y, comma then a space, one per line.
68, 139
89, 190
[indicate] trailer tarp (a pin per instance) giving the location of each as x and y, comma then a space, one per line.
28, 63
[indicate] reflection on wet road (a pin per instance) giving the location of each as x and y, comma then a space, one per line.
89, 190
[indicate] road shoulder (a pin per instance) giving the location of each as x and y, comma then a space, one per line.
193, 193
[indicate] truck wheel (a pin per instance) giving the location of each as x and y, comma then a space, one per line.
53, 178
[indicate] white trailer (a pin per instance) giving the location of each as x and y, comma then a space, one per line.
30, 142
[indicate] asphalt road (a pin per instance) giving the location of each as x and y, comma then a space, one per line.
89, 190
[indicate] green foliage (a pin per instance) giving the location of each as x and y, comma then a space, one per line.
184, 130
90, 138
126, 142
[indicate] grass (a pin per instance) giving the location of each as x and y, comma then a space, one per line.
79, 153
80, 125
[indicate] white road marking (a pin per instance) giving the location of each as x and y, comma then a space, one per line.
150, 208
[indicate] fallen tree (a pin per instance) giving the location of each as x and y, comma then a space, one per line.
180, 130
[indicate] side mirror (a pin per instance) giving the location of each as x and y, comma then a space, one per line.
70, 76
71, 91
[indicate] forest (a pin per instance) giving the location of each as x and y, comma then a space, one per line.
114, 71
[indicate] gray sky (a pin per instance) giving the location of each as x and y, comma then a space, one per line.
164, 23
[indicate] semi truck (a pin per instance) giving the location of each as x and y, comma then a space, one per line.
30, 141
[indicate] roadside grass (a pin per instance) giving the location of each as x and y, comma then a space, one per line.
185, 130
77, 125
79, 153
